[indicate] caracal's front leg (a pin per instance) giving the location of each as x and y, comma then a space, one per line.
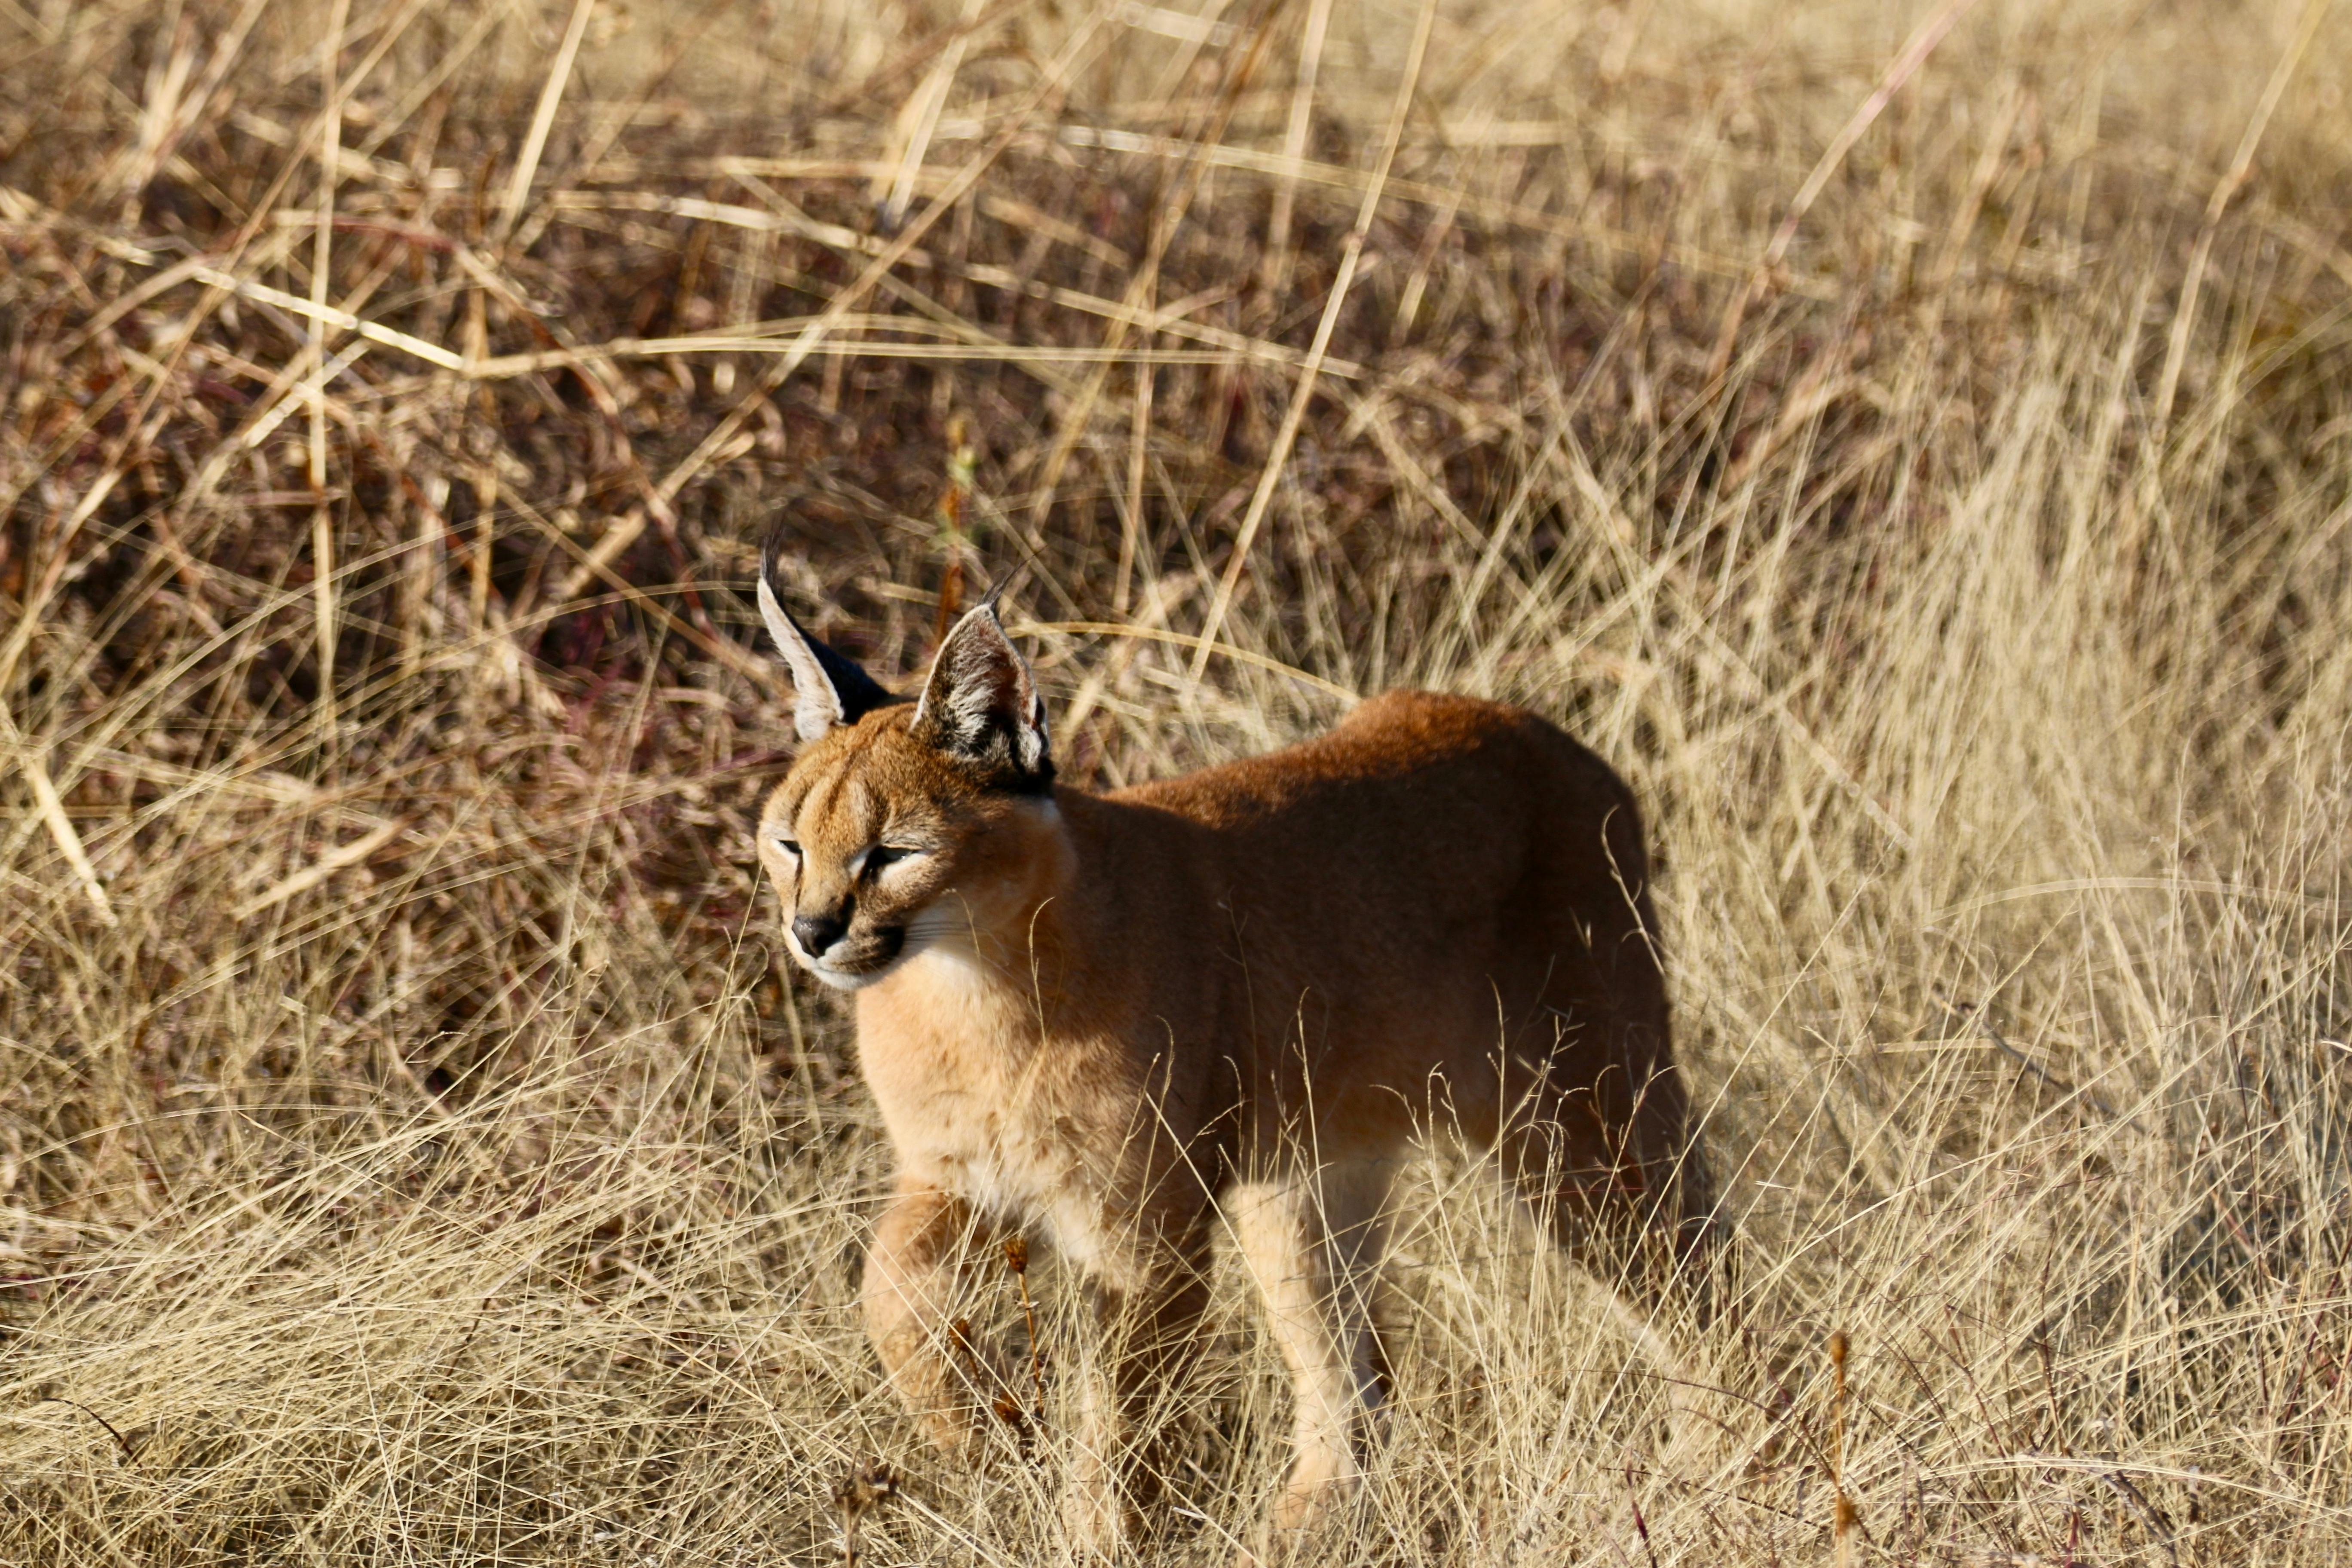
1313, 1242
914, 1276
1149, 1320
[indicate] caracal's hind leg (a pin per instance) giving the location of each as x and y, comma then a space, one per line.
1602, 1147
1148, 1309
1662, 1153
914, 1277
1610, 1173
1619, 1181
1313, 1244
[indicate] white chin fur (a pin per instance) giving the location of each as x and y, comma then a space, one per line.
847, 980
918, 941
841, 981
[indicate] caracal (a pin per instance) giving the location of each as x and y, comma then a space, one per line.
1238, 997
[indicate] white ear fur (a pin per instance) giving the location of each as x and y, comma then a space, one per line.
816, 706
980, 698
828, 689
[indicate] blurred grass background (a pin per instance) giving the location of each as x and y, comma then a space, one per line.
1914, 441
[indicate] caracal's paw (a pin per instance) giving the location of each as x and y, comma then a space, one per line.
955, 1384
1311, 1510
1101, 1525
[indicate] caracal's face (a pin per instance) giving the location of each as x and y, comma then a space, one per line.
905, 826
881, 848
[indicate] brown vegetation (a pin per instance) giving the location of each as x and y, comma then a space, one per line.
412, 1143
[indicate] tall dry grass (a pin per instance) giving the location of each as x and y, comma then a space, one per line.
413, 1144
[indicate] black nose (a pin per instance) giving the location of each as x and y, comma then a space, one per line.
817, 933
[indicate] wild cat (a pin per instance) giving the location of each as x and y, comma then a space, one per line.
1236, 998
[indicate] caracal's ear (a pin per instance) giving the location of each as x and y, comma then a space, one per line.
827, 689
982, 703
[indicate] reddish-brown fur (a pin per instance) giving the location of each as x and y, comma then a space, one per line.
1236, 997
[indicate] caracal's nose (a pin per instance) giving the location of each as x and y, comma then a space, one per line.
817, 933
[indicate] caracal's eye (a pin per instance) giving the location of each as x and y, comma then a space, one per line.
883, 855
788, 847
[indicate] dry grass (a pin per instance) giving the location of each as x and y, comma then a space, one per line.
413, 1144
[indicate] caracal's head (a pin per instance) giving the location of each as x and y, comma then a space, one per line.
905, 825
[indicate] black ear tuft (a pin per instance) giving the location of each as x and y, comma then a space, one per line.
982, 703
827, 688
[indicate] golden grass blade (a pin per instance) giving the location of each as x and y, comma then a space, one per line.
623, 531
1275, 267
322, 528
52, 810
29, 613
2184, 317
324, 866
1130, 526
330, 316
542, 120
920, 118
